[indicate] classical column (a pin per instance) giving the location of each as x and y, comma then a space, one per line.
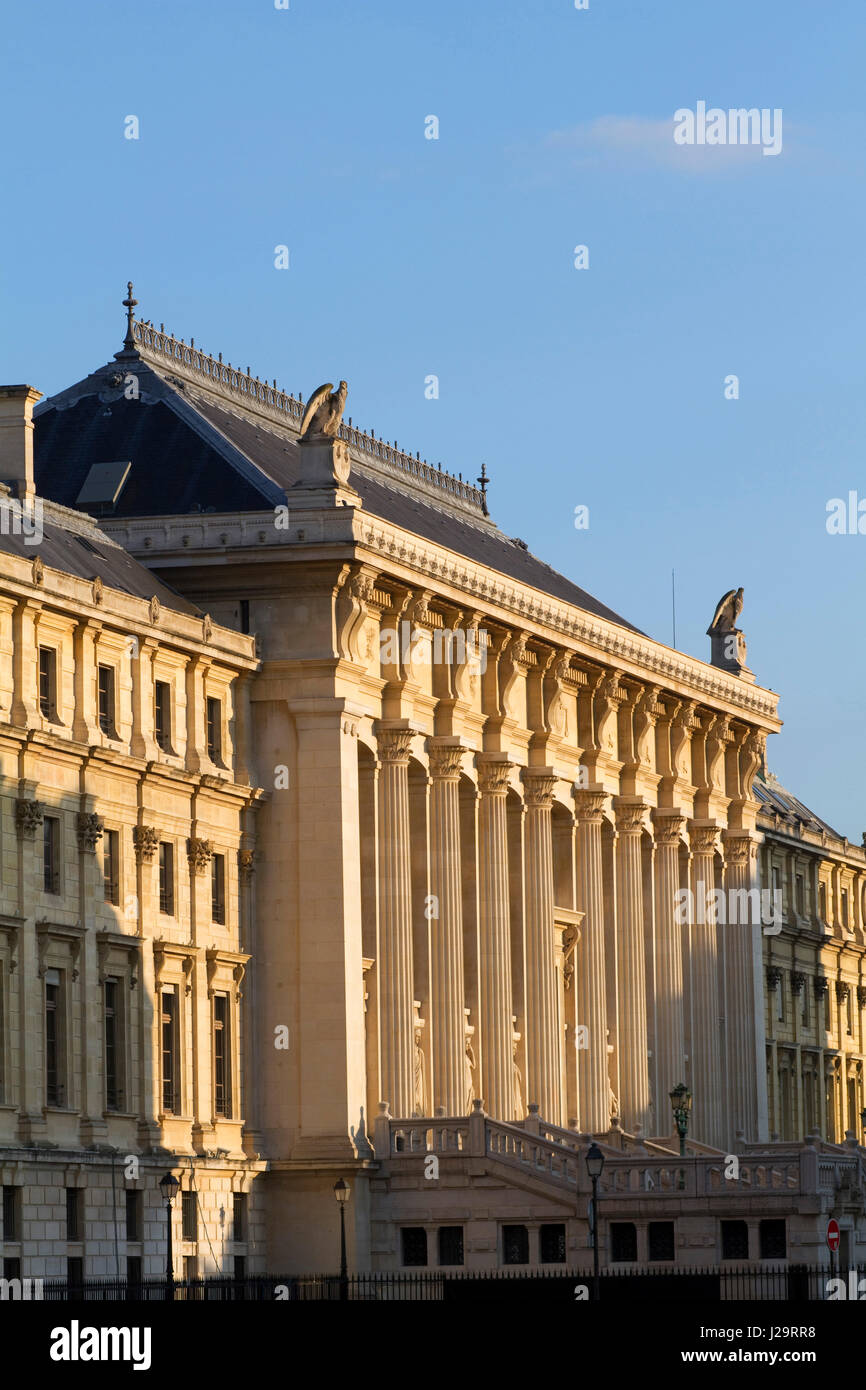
708, 1085
447, 1021
396, 1021
592, 1010
744, 1011
669, 1044
494, 940
634, 1095
543, 1082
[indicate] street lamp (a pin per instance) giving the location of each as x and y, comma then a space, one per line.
168, 1186
681, 1104
863, 1118
341, 1192
594, 1166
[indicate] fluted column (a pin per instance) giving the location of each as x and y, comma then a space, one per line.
494, 940
543, 1083
447, 1019
592, 1008
707, 1081
744, 1013
634, 1096
396, 1023
669, 1044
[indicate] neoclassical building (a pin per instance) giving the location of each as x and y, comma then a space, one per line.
506, 847
126, 905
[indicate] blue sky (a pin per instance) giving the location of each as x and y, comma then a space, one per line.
409, 257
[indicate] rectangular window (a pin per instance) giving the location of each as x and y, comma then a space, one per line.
48, 682
133, 1274
239, 1268
54, 1062
166, 878
218, 888
239, 1216
661, 1240
133, 1215
773, 1240
50, 864
623, 1242
162, 714
735, 1240
804, 1016
849, 1013
73, 1213
801, 896
2, 1040
515, 1245
413, 1240
780, 998
111, 866
169, 1052
106, 700
552, 1239
845, 907
450, 1245
11, 1267
189, 1217
214, 729
74, 1273
245, 615
113, 1045
221, 1056
11, 1214
190, 1267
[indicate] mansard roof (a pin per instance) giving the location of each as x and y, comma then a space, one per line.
788, 812
201, 436
73, 543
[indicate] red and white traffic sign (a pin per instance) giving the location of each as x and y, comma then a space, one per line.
833, 1234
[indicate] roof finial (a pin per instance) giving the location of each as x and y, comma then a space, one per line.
129, 304
483, 480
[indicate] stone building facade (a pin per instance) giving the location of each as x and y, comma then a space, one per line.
498, 842
126, 908
815, 971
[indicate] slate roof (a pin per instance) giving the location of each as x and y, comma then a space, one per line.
772, 796
189, 454
77, 546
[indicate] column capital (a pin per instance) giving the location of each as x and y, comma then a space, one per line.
494, 773
539, 784
703, 835
668, 822
445, 756
590, 803
739, 846
393, 742
630, 811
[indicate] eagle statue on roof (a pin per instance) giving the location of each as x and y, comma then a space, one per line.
728, 610
324, 412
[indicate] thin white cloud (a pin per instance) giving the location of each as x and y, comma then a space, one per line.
638, 142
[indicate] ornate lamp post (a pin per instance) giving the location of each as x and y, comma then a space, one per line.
863, 1120
168, 1187
681, 1104
341, 1192
594, 1166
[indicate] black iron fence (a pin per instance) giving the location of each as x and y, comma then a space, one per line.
784, 1283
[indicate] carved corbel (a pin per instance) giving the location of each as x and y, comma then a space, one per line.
647, 711
609, 698
754, 748
682, 725
513, 665
555, 713
718, 733
353, 607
